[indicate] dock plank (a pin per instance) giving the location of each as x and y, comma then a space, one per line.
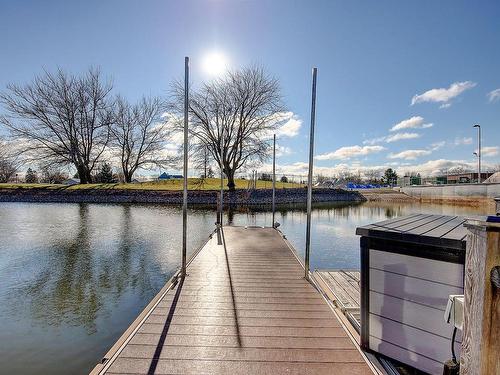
243, 308
344, 291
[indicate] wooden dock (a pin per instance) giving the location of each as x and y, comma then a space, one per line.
343, 289
243, 308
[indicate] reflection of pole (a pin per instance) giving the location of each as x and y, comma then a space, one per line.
274, 176
310, 175
185, 170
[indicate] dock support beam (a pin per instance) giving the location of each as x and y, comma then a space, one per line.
480, 353
185, 169
310, 175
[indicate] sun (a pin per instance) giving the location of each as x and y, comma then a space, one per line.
215, 63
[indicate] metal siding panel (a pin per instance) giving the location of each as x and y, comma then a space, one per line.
420, 291
434, 270
420, 342
402, 355
412, 314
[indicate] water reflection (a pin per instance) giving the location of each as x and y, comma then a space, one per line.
74, 276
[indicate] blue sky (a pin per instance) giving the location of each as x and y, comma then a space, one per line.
373, 59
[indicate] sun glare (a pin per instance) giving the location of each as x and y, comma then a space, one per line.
215, 63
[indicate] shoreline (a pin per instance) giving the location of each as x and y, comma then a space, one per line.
196, 197
238, 198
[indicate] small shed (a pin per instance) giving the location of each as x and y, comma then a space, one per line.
409, 267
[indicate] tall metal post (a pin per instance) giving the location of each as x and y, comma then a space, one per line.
221, 177
274, 178
478, 152
185, 169
310, 174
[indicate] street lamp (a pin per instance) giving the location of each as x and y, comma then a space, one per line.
478, 153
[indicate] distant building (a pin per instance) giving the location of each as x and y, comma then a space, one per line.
438, 180
466, 178
71, 181
166, 176
409, 180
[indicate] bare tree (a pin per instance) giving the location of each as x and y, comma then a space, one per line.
458, 169
9, 163
373, 176
51, 175
139, 136
233, 117
202, 160
61, 119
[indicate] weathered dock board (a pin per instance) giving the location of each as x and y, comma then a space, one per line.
243, 308
342, 288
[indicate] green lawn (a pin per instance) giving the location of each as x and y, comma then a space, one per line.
176, 184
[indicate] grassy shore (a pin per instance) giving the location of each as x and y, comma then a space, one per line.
172, 185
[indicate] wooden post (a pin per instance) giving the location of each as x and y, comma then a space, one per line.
481, 336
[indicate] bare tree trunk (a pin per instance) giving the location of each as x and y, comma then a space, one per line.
128, 176
82, 175
230, 179
88, 175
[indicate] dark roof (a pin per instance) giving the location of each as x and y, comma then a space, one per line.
166, 176
434, 230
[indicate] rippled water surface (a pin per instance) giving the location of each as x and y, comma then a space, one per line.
74, 276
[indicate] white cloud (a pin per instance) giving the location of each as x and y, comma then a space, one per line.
437, 145
489, 151
463, 141
437, 167
400, 136
282, 150
415, 122
391, 138
409, 154
494, 95
443, 95
288, 124
429, 168
350, 152
374, 141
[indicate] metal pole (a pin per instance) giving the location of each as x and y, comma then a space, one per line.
221, 177
185, 169
310, 175
274, 177
478, 152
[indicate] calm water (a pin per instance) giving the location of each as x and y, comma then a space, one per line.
74, 276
